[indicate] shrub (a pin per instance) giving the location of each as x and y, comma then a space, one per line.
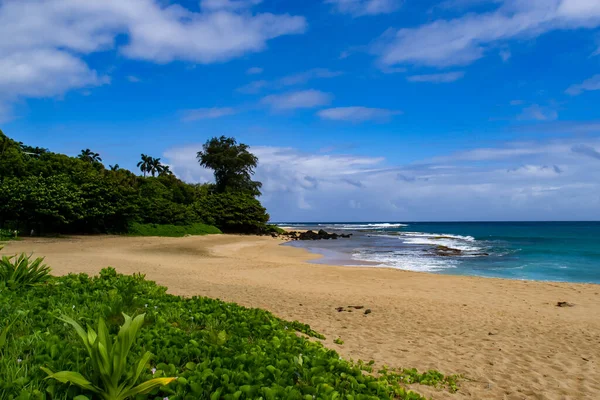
21, 271
112, 378
233, 212
274, 229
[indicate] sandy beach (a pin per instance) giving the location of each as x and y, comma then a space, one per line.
508, 338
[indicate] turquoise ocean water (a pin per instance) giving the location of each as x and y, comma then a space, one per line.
553, 251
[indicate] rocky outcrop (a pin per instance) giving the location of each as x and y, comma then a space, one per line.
312, 235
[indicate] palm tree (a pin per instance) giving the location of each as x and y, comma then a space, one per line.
89, 156
164, 170
114, 167
156, 166
145, 164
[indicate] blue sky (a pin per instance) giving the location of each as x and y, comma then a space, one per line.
358, 109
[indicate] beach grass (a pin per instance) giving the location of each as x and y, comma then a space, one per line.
216, 350
172, 230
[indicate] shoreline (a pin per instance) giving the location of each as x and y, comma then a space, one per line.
507, 337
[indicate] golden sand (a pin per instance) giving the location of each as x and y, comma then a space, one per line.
508, 338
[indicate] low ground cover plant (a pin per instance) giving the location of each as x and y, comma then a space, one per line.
216, 350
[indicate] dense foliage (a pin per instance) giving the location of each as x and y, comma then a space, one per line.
217, 350
233, 165
52, 193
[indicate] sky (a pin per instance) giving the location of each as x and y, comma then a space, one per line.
359, 110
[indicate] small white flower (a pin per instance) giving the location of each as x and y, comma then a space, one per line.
156, 307
165, 398
146, 305
19, 360
73, 306
153, 370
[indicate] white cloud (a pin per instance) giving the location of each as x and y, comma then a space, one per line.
588, 85
254, 71
42, 73
231, 5
505, 182
133, 79
253, 87
463, 40
359, 8
538, 113
43, 42
357, 114
437, 78
207, 113
298, 99
289, 80
304, 77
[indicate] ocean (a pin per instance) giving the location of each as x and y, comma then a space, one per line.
548, 251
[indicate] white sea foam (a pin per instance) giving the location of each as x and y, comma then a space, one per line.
409, 261
377, 226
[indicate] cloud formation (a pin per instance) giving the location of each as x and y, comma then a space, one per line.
297, 99
254, 71
358, 8
463, 40
518, 180
536, 112
207, 113
43, 42
357, 114
437, 78
289, 80
588, 85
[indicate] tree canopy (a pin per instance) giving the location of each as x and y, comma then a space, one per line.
232, 164
54, 193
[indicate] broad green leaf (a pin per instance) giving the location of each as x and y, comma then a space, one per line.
141, 365
72, 377
147, 386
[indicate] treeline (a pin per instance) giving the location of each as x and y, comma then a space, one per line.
53, 193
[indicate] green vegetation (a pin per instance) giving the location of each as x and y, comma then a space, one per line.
275, 229
50, 193
21, 271
109, 362
338, 341
216, 350
172, 230
6, 234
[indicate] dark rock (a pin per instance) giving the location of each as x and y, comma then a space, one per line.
274, 234
564, 304
368, 311
339, 309
445, 251
320, 235
357, 307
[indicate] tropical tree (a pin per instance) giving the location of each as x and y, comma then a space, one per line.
115, 167
156, 166
232, 164
164, 170
145, 164
89, 156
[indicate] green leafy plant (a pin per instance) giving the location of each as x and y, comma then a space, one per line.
111, 379
338, 341
22, 271
217, 350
